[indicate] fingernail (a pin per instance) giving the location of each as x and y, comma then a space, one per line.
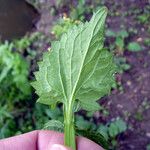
57, 147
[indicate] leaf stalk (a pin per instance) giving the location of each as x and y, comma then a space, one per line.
69, 130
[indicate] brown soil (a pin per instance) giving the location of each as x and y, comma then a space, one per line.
129, 103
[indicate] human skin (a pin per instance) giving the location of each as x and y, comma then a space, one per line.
44, 140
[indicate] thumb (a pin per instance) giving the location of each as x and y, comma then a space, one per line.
58, 147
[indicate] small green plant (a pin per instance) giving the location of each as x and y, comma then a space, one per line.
143, 16
76, 72
121, 64
112, 129
134, 47
119, 38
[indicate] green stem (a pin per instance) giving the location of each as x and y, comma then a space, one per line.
69, 131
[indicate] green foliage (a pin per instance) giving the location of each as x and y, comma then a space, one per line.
14, 68
117, 127
62, 26
143, 18
77, 13
119, 38
111, 130
134, 47
14, 85
83, 124
103, 129
94, 136
121, 64
54, 125
22, 43
119, 47
13, 74
4, 113
77, 68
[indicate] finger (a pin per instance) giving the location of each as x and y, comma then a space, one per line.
20, 142
58, 147
42, 140
49, 138
86, 144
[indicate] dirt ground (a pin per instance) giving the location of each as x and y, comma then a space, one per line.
129, 104
136, 91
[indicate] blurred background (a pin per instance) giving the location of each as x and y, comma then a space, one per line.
26, 31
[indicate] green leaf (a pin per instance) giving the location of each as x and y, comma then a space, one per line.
134, 47
54, 125
123, 34
54, 113
77, 67
94, 136
110, 33
103, 130
121, 125
113, 130
81, 123
116, 127
90, 105
45, 99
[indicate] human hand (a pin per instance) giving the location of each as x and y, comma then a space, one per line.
44, 140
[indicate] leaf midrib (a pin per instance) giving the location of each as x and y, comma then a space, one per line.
74, 89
